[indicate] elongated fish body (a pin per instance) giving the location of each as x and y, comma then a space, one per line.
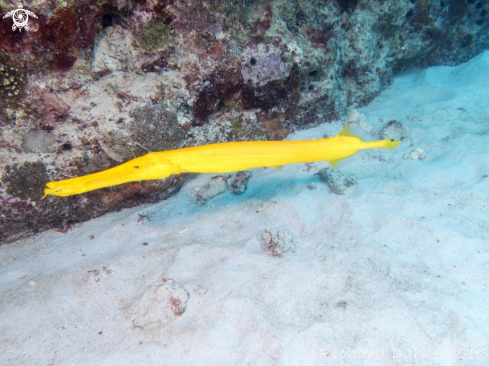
235, 156
220, 158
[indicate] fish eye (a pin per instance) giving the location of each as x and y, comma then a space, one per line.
392, 140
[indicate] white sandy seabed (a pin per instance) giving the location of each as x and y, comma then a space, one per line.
394, 272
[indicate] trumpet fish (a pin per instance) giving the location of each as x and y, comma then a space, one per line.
220, 158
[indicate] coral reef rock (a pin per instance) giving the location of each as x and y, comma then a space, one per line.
357, 118
25, 182
112, 80
160, 304
336, 182
239, 183
216, 186
417, 154
10, 81
155, 129
54, 107
260, 64
277, 243
117, 51
23, 213
38, 141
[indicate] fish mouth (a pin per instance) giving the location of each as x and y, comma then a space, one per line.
111, 177
145, 168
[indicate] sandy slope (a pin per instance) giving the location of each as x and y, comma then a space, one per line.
395, 272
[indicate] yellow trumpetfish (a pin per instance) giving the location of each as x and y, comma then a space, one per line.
220, 158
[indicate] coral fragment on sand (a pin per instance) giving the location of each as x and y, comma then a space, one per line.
161, 303
277, 243
355, 117
335, 180
239, 183
216, 186
417, 154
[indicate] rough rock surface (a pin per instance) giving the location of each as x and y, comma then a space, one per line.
337, 183
277, 243
216, 186
239, 183
161, 303
111, 80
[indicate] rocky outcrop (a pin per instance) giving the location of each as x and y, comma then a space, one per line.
93, 84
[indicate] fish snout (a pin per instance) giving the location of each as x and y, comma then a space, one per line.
392, 143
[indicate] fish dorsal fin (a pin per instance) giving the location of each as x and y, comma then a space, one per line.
346, 132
